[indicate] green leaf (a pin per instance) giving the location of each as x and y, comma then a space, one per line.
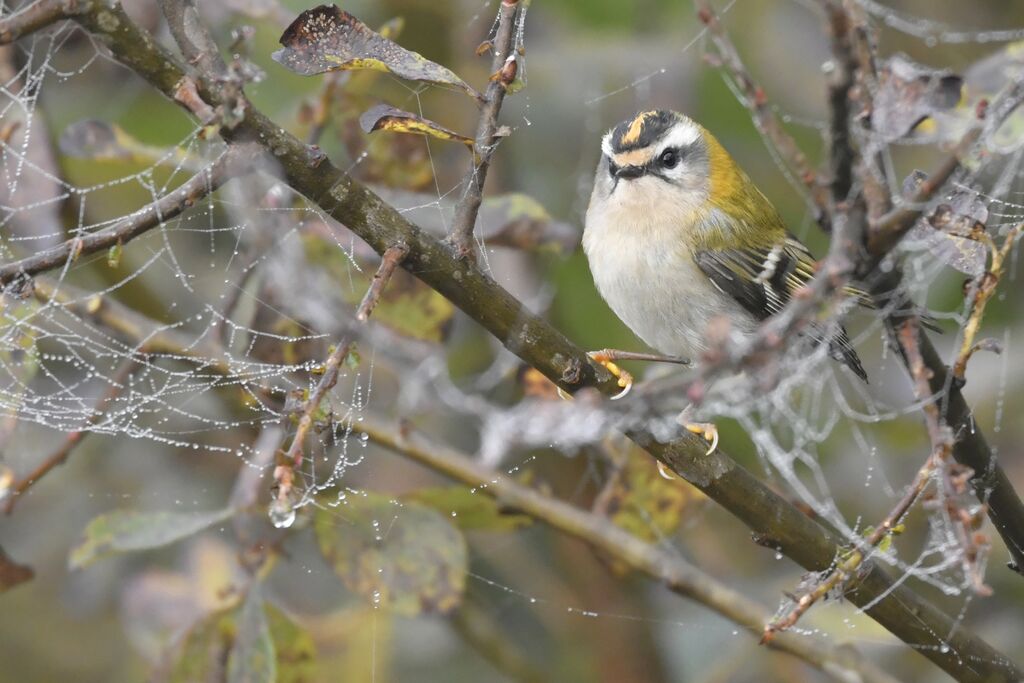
468, 510
327, 38
221, 647
386, 117
403, 557
131, 530
252, 658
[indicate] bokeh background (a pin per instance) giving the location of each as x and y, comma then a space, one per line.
543, 602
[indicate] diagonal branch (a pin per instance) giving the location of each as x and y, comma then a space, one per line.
678, 575
990, 481
34, 16
893, 604
503, 72
232, 163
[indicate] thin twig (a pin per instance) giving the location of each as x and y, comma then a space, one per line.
980, 293
72, 439
670, 569
765, 117
391, 259
233, 163
503, 72
284, 473
890, 228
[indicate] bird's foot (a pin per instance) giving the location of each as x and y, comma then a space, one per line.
606, 358
706, 429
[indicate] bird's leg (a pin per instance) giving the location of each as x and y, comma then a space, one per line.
607, 358
706, 429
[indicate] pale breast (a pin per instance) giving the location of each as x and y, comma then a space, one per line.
652, 283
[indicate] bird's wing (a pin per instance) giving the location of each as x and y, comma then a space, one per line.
762, 279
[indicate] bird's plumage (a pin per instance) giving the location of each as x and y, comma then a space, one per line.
680, 244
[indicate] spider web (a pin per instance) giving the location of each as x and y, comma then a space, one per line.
228, 281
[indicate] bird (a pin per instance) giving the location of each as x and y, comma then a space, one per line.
677, 235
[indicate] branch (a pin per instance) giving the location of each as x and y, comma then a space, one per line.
990, 481
284, 473
764, 116
670, 569
231, 164
841, 79
391, 259
893, 604
889, 229
33, 17
73, 439
503, 72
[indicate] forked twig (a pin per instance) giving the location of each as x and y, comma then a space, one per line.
504, 68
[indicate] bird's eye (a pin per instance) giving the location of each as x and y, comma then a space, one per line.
669, 158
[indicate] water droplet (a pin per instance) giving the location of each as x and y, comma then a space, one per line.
282, 514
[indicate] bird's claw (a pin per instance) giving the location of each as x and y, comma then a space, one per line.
706, 429
625, 379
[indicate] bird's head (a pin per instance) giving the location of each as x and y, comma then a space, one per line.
661, 168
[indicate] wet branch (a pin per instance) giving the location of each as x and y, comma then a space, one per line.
233, 163
851, 259
33, 17
391, 259
675, 573
503, 72
284, 472
893, 604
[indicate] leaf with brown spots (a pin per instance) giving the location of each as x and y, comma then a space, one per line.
386, 117
327, 38
643, 502
401, 556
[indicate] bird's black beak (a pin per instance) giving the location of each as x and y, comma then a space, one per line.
627, 172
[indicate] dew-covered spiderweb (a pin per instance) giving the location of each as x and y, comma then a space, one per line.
206, 334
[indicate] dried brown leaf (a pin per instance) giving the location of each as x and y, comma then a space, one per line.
327, 38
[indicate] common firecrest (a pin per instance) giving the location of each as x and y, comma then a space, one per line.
677, 235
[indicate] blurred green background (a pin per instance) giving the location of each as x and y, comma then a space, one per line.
589, 64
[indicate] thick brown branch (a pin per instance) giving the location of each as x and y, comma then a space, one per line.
893, 604
677, 574
391, 259
503, 70
231, 164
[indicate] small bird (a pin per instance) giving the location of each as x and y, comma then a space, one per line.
678, 235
